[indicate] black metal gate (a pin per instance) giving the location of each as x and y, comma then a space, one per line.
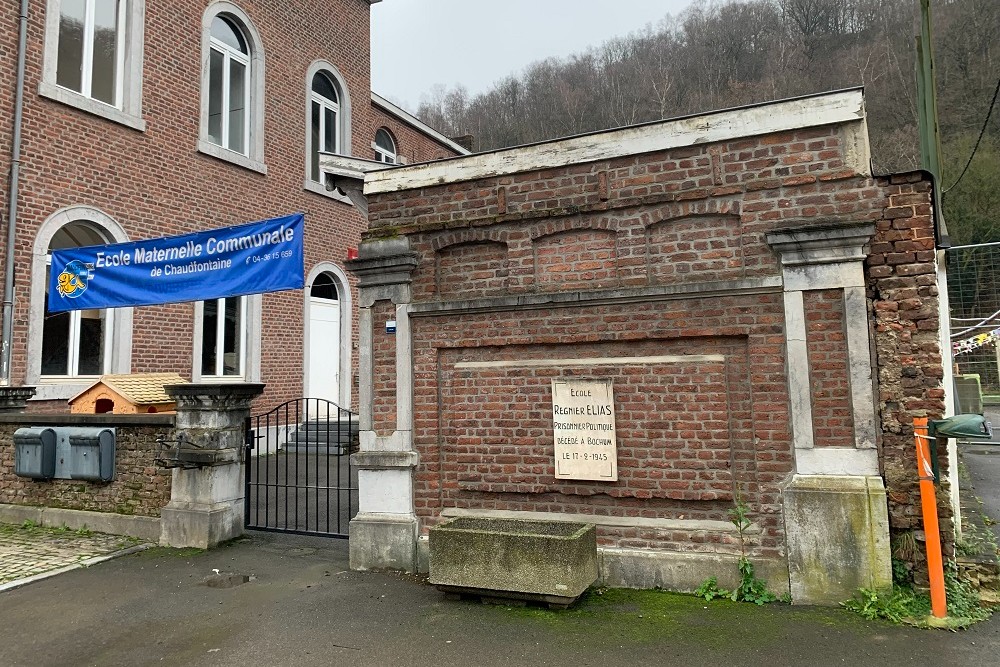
298, 469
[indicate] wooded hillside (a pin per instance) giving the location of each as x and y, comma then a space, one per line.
723, 54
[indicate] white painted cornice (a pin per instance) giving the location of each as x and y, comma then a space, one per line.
844, 106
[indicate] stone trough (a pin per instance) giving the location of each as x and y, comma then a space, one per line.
541, 561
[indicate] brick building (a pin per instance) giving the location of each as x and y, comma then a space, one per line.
764, 307
150, 118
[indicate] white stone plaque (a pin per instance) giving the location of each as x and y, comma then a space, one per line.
583, 423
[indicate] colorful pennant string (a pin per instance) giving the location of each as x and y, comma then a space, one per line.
977, 341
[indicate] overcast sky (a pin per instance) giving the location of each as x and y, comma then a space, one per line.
419, 43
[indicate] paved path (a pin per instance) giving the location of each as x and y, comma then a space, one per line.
304, 607
28, 551
982, 460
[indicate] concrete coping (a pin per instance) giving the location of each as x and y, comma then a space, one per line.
369, 460
67, 419
559, 530
14, 399
690, 525
220, 395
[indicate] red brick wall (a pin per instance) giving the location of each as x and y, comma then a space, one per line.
903, 287
384, 368
691, 434
156, 183
628, 236
829, 370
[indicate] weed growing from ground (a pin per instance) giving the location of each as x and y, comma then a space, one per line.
903, 605
750, 588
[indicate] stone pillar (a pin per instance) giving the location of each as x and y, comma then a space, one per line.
384, 532
13, 400
835, 505
206, 499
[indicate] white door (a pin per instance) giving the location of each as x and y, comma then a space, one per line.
324, 349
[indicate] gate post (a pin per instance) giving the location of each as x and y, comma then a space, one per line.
206, 499
384, 532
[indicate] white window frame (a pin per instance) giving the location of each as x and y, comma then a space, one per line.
229, 54
220, 337
250, 343
325, 104
118, 336
73, 360
343, 125
127, 109
380, 153
253, 158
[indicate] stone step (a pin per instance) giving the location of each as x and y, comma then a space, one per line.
319, 437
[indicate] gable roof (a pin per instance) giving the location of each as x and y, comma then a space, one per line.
417, 124
139, 388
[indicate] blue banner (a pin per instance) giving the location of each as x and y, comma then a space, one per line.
246, 259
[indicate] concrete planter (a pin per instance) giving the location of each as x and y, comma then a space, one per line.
551, 562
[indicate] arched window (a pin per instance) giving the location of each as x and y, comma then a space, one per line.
324, 120
77, 344
324, 287
385, 147
328, 122
228, 86
232, 106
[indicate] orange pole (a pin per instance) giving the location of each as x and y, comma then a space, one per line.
932, 533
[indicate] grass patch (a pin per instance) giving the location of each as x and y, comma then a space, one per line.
627, 616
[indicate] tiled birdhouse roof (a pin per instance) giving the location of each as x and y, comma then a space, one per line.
139, 388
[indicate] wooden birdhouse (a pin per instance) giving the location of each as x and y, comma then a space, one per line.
137, 393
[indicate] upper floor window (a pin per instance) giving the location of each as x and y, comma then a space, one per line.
324, 112
228, 87
327, 122
232, 98
93, 57
385, 147
90, 49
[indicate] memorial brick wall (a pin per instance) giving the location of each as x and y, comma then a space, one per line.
665, 273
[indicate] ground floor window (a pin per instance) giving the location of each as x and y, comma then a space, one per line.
75, 343
223, 338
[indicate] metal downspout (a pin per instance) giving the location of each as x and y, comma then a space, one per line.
15, 177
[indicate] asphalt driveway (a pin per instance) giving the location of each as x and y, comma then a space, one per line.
304, 607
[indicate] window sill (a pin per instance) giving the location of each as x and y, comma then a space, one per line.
78, 101
54, 388
314, 187
226, 155
220, 379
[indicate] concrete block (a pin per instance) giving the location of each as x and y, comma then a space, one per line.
200, 526
143, 527
837, 528
544, 559
684, 572
383, 542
